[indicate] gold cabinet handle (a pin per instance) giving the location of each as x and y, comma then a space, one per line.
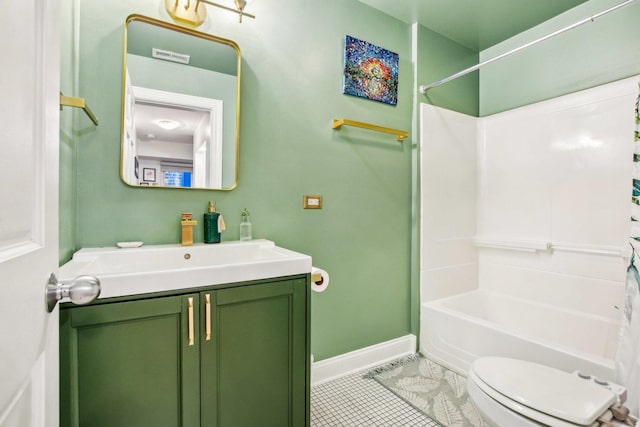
207, 314
191, 334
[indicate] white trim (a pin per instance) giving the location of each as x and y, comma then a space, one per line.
368, 357
19, 249
174, 98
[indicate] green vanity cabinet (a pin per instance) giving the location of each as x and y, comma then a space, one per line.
227, 356
129, 364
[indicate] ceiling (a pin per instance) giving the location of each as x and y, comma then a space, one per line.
147, 116
476, 24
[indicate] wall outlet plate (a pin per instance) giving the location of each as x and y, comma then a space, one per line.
312, 201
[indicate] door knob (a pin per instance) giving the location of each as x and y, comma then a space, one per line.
81, 290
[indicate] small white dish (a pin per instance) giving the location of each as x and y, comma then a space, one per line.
129, 244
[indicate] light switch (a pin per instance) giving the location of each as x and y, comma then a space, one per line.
312, 201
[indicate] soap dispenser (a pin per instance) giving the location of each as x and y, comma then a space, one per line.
245, 225
213, 224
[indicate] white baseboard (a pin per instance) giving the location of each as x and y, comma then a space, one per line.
368, 357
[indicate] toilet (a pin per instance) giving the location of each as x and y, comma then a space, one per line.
518, 393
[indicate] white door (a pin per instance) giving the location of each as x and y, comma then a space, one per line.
29, 114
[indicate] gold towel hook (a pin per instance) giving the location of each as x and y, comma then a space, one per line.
71, 101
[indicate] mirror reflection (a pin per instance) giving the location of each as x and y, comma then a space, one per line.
180, 107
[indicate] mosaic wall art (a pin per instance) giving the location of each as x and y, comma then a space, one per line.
370, 71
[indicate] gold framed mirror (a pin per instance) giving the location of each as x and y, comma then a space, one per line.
180, 107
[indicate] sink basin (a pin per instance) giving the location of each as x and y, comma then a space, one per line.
132, 271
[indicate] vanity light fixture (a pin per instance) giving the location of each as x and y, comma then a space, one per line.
192, 13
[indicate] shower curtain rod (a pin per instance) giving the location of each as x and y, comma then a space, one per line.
423, 89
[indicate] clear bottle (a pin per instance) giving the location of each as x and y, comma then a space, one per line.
245, 225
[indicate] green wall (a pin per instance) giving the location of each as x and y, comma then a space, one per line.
439, 57
367, 234
595, 53
291, 90
67, 194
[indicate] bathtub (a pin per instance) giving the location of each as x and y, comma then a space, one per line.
454, 331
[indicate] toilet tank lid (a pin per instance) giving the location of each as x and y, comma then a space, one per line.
545, 389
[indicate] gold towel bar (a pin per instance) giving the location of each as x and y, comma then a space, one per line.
70, 101
400, 134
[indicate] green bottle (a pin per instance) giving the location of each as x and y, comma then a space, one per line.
211, 219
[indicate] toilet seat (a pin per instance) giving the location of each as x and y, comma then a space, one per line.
524, 411
547, 395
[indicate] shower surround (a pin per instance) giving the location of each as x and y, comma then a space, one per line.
526, 213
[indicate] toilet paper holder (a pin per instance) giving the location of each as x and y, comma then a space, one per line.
319, 279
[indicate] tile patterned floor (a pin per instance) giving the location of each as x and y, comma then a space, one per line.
353, 401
